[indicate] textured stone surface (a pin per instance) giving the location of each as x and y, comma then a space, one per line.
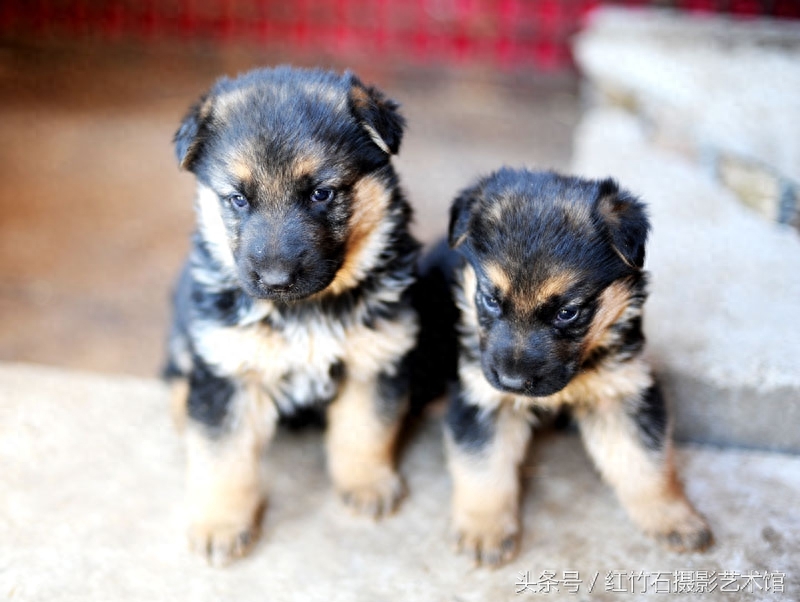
90, 510
723, 314
719, 90
725, 84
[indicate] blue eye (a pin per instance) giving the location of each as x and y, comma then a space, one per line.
322, 195
491, 303
567, 314
238, 201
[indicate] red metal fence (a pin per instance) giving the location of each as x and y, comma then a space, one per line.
508, 33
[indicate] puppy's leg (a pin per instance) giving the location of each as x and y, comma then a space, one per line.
484, 451
179, 399
226, 434
363, 422
629, 442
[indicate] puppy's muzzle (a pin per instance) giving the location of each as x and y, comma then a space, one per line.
526, 373
275, 277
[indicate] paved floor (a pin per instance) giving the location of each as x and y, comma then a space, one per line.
95, 216
98, 516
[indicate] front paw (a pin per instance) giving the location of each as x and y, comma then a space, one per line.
223, 532
691, 534
671, 520
374, 495
488, 538
221, 544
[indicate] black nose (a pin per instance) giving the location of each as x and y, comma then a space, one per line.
276, 278
513, 381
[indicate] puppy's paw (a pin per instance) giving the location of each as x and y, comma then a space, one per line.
226, 530
672, 521
221, 544
691, 534
488, 538
375, 495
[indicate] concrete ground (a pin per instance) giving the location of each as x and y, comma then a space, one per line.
98, 516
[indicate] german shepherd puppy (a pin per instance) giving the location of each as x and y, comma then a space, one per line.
550, 291
295, 294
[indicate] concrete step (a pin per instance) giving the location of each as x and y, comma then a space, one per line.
722, 319
680, 116
721, 91
90, 509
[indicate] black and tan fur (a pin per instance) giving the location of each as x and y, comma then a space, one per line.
295, 294
550, 291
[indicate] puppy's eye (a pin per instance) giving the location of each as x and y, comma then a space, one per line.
238, 201
322, 195
567, 314
490, 303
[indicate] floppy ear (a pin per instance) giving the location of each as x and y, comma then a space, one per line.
193, 132
625, 219
461, 215
378, 115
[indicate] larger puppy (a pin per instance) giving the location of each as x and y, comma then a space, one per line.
550, 291
295, 294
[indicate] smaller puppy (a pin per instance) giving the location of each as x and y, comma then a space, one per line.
550, 291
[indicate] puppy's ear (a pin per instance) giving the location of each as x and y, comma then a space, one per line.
378, 115
193, 132
461, 215
625, 220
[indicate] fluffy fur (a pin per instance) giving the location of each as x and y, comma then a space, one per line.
295, 294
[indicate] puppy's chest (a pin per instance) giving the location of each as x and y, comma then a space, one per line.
300, 363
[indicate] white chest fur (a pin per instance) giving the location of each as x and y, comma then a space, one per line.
298, 358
